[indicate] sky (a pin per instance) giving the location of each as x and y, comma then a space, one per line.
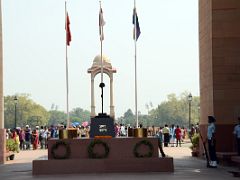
34, 51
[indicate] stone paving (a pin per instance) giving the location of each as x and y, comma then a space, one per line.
186, 167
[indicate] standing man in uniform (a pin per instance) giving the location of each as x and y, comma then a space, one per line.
212, 141
236, 132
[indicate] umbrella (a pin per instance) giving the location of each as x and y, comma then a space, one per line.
75, 124
85, 123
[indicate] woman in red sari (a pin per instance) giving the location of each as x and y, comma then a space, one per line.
178, 134
35, 139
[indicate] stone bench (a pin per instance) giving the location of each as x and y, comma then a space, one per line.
236, 159
225, 157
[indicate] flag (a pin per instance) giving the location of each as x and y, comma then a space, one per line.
101, 24
68, 32
136, 25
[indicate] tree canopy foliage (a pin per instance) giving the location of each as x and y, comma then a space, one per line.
31, 113
175, 110
27, 111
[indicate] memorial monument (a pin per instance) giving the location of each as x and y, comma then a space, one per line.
102, 125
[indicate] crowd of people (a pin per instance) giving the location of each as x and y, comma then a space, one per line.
37, 137
33, 138
173, 135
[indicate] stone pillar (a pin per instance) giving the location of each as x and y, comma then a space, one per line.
219, 27
93, 114
112, 113
2, 130
2, 146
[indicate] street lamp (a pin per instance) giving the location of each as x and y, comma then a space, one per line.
189, 103
15, 103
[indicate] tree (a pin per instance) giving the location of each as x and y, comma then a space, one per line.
26, 109
57, 117
129, 118
79, 115
175, 111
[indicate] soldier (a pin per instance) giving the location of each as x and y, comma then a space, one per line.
212, 141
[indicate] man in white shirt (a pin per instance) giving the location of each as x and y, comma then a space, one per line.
236, 132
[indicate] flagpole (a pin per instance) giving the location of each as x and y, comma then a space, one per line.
101, 85
135, 45
101, 36
67, 85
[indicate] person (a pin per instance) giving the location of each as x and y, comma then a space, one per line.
236, 132
212, 141
35, 139
178, 134
41, 137
46, 135
22, 139
192, 131
28, 136
153, 130
7, 133
159, 136
165, 132
122, 130
15, 136
116, 129
82, 132
52, 131
183, 133
172, 135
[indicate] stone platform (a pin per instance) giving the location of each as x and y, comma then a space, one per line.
121, 157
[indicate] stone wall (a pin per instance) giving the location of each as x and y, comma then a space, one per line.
219, 40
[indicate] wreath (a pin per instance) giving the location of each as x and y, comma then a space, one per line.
67, 150
146, 143
93, 155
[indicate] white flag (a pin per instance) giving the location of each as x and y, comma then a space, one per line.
101, 24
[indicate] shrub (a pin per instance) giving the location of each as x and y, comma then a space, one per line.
11, 145
195, 141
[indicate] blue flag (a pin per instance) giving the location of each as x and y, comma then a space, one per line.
136, 24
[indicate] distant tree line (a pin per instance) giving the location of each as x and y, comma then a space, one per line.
31, 113
175, 110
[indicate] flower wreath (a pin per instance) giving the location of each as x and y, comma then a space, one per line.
93, 155
144, 142
65, 145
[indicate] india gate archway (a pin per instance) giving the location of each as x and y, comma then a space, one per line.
96, 69
219, 44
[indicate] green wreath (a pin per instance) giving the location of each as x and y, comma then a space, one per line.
67, 150
93, 155
146, 143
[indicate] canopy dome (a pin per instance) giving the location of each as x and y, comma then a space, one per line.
97, 61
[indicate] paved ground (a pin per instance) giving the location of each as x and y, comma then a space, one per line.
186, 167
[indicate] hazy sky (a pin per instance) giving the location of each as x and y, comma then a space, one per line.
34, 50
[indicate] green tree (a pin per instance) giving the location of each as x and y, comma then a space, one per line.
175, 110
129, 118
26, 110
57, 117
79, 115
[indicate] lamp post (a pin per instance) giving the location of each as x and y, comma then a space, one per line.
189, 103
198, 114
15, 103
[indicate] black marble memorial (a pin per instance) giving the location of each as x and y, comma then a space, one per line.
102, 125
